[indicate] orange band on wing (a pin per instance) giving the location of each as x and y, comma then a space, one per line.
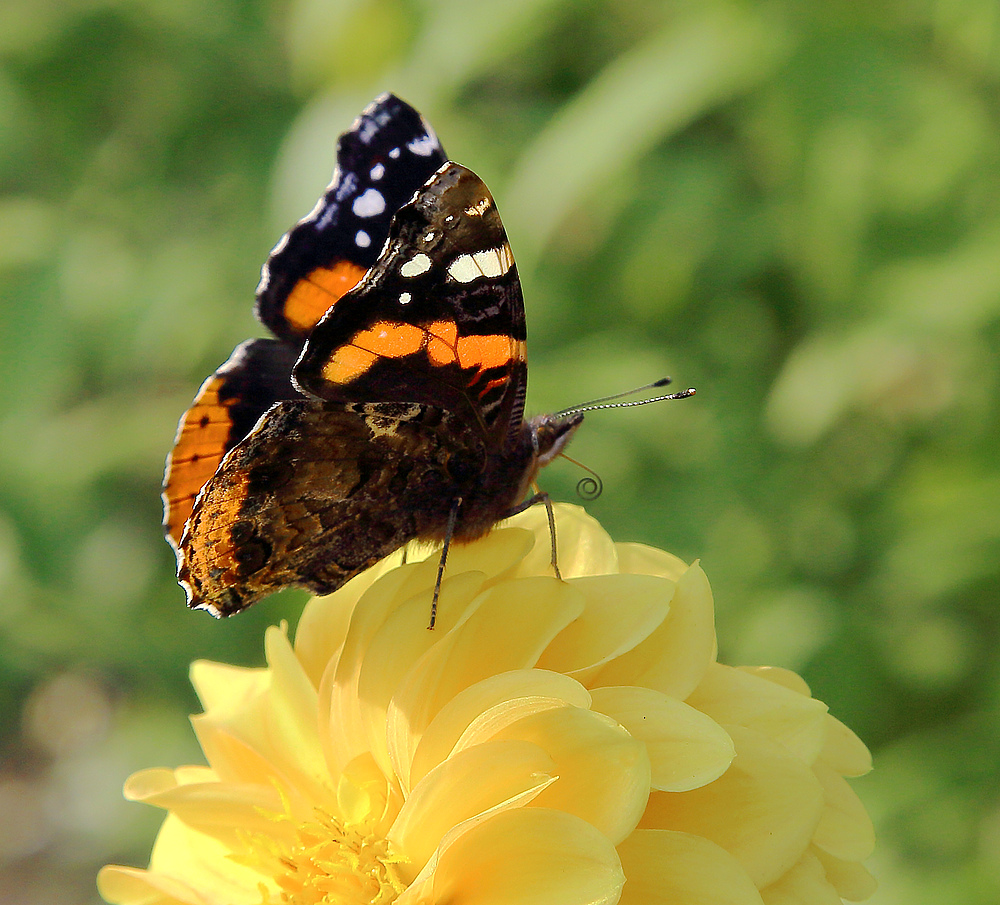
439, 341
312, 296
347, 364
441, 344
198, 450
492, 351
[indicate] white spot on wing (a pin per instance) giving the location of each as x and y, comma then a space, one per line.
417, 265
394, 153
491, 262
377, 172
479, 208
362, 239
369, 203
405, 298
423, 146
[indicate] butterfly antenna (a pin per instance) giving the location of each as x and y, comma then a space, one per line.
590, 487
607, 402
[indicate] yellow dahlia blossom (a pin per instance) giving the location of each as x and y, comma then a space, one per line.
550, 742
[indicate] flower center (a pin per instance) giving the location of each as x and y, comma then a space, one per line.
330, 863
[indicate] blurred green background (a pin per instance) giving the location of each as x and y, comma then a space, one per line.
792, 206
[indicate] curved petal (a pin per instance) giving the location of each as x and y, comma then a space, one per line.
401, 641
851, 880
583, 547
226, 691
674, 658
640, 559
268, 722
805, 882
133, 886
664, 867
490, 777
845, 829
349, 723
762, 810
843, 751
521, 691
365, 796
531, 856
620, 612
221, 810
780, 676
508, 628
323, 625
603, 772
187, 867
731, 695
686, 748
497, 555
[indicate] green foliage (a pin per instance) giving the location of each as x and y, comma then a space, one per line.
793, 207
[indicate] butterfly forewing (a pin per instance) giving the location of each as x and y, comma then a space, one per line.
387, 155
450, 330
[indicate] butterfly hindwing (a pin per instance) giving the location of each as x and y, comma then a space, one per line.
384, 158
303, 500
225, 410
449, 329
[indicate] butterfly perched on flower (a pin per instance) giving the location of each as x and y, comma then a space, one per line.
390, 404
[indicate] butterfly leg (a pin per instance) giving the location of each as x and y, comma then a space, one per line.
540, 496
449, 531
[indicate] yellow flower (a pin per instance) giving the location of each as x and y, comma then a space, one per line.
549, 742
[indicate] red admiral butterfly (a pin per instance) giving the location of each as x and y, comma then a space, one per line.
391, 405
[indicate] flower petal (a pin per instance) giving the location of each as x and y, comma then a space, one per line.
845, 829
398, 644
270, 716
843, 751
805, 882
487, 778
582, 545
226, 691
188, 867
640, 559
345, 722
664, 867
323, 625
508, 628
790, 680
517, 692
731, 695
763, 809
497, 555
219, 809
686, 748
674, 658
133, 886
603, 772
620, 612
531, 856
849, 878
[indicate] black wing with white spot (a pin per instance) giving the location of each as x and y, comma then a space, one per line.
386, 156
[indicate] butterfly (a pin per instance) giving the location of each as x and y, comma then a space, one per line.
390, 404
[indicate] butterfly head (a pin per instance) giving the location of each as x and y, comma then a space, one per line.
551, 433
